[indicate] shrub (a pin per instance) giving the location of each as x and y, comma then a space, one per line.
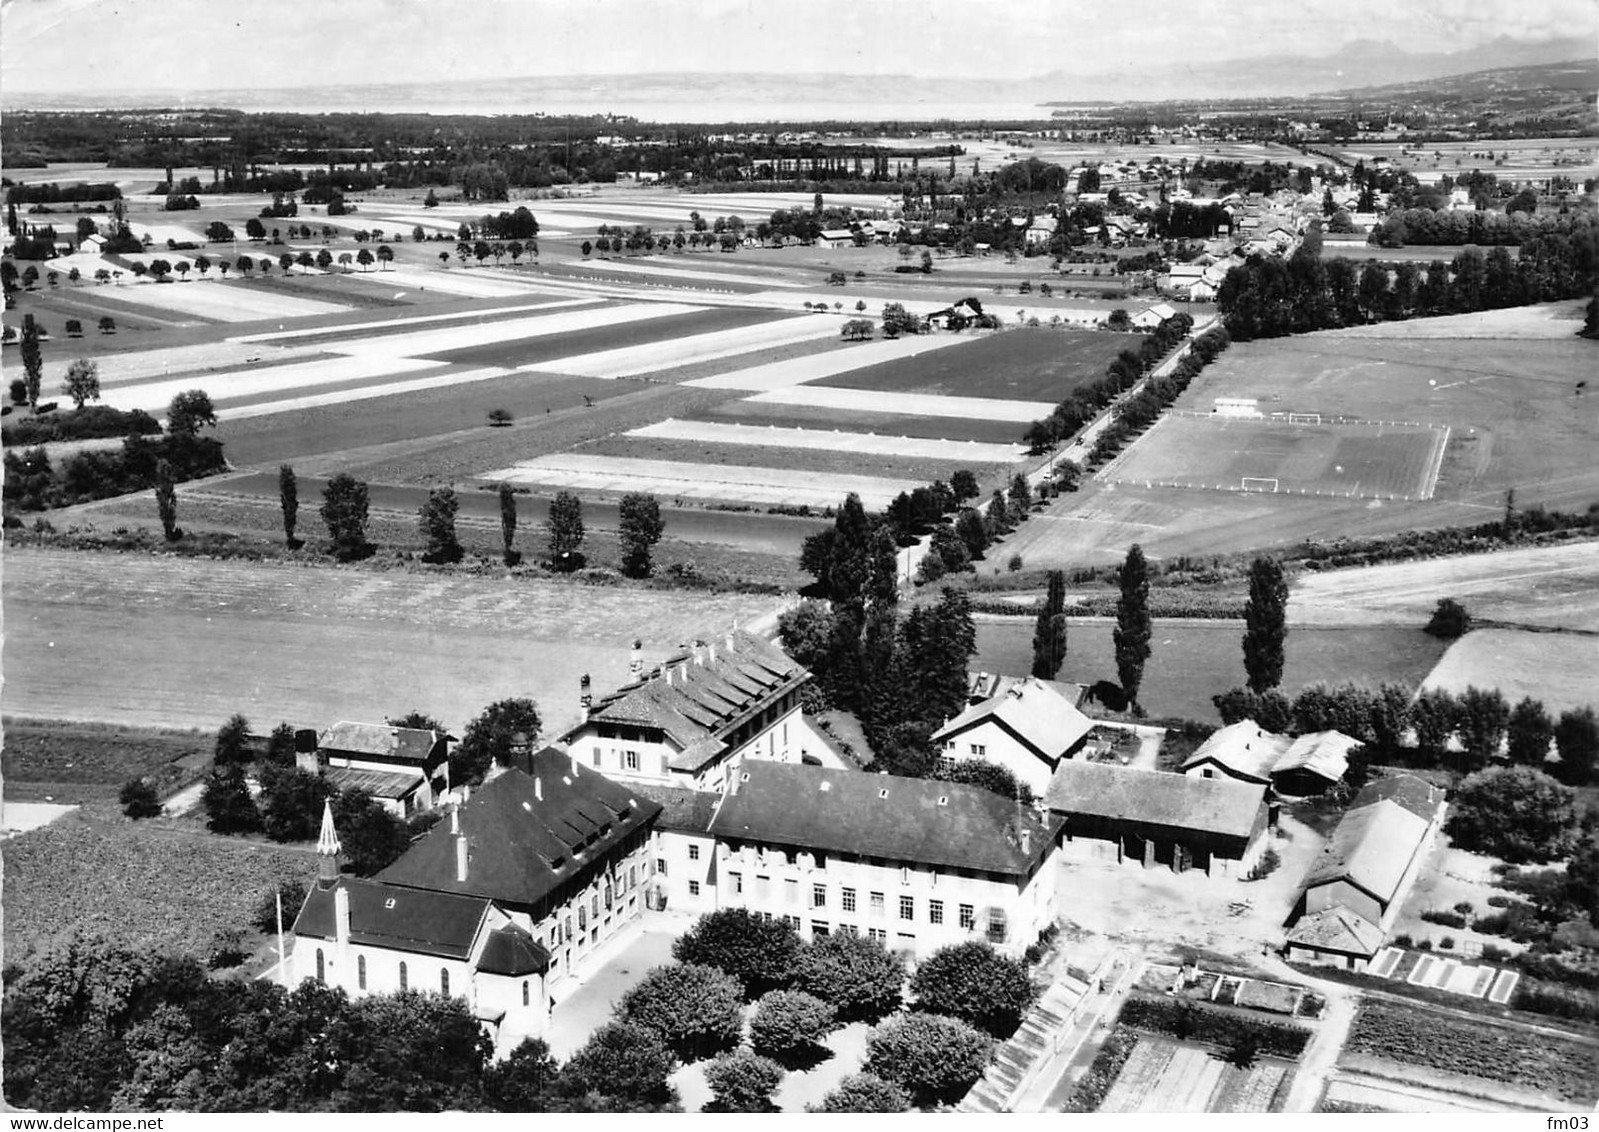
759, 953
1449, 619
499, 418
1516, 813
139, 799
743, 1082
862, 1092
1446, 919
789, 1022
1192, 1022
265, 917
933, 1058
1269, 860
1102, 1074
696, 1010
858, 975
973, 982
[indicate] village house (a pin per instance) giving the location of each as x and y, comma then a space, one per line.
700, 715
1354, 891
405, 769
1117, 813
1027, 727
915, 863
1151, 317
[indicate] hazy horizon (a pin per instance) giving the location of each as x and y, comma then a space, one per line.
79, 48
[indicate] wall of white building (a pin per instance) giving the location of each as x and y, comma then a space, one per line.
991, 743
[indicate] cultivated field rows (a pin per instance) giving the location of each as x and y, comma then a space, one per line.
222, 301
770, 436
912, 404
654, 357
797, 371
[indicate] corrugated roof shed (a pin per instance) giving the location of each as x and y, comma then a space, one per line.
396, 917
521, 847
886, 816
1037, 712
1221, 806
1322, 753
1337, 929
378, 783
1370, 848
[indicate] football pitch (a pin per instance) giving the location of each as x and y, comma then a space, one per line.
1305, 456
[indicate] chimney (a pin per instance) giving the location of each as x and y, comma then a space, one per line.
1027, 841
585, 695
538, 790
710, 654
460, 860
573, 754
521, 752
635, 666
455, 819
341, 916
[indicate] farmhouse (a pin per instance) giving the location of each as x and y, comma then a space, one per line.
1355, 889
1119, 813
1027, 728
837, 238
1151, 317
916, 863
405, 769
1246, 752
699, 716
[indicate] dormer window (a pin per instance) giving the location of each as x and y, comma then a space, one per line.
943, 799
388, 904
883, 793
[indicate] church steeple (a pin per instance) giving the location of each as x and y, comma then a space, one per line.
327, 850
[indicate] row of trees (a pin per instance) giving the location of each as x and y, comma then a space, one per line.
1268, 297
1516, 225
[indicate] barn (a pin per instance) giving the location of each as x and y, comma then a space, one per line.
1113, 812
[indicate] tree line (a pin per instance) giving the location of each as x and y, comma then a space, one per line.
1516, 225
1268, 297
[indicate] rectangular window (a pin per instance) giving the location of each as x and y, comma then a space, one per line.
818, 928
968, 917
818, 896
594, 904
694, 852
907, 908
660, 866
935, 911
979, 750
876, 933
630, 760
736, 880
821, 859
596, 756
763, 888
877, 904
791, 891
693, 888
849, 900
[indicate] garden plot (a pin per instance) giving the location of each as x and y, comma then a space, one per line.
798, 371
1164, 1077
866, 444
652, 357
672, 478
1504, 983
226, 387
913, 404
222, 302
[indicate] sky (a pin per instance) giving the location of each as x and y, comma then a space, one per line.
83, 46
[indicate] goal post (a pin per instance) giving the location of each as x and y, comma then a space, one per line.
1257, 483
1304, 418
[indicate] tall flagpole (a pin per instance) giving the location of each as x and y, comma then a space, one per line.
283, 971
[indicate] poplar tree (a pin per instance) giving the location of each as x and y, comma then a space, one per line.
1049, 636
289, 499
1133, 629
1265, 624
508, 524
565, 526
437, 522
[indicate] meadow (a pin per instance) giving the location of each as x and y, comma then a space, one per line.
1559, 669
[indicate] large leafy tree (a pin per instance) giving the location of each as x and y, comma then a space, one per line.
1049, 634
639, 528
1531, 732
419, 1053
344, 510
973, 982
371, 837
862, 1092
189, 412
291, 802
82, 383
1517, 813
994, 777
861, 978
1265, 624
565, 527
488, 738
437, 523
227, 802
696, 1010
1483, 718
1577, 740
1133, 627
759, 953
232, 742
524, 1080
623, 1060
789, 1023
934, 1058
743, 1081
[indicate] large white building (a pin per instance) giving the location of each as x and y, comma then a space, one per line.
1027, 727
700, 715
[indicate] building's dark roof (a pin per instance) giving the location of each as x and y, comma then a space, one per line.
510, 950
377, 783
885, 816
1222, 806
521, 847
682, 810
696, 698
1371, 848
409, 744
1414, 794
397, 918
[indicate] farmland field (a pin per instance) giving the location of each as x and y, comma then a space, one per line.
186, 643
1415, 1036
1561, 669
139, 886
1352, 460
78, 763
1192, 661
854, 420
1024, 364
1166, 1076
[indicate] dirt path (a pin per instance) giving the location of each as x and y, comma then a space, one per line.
1321, 1055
